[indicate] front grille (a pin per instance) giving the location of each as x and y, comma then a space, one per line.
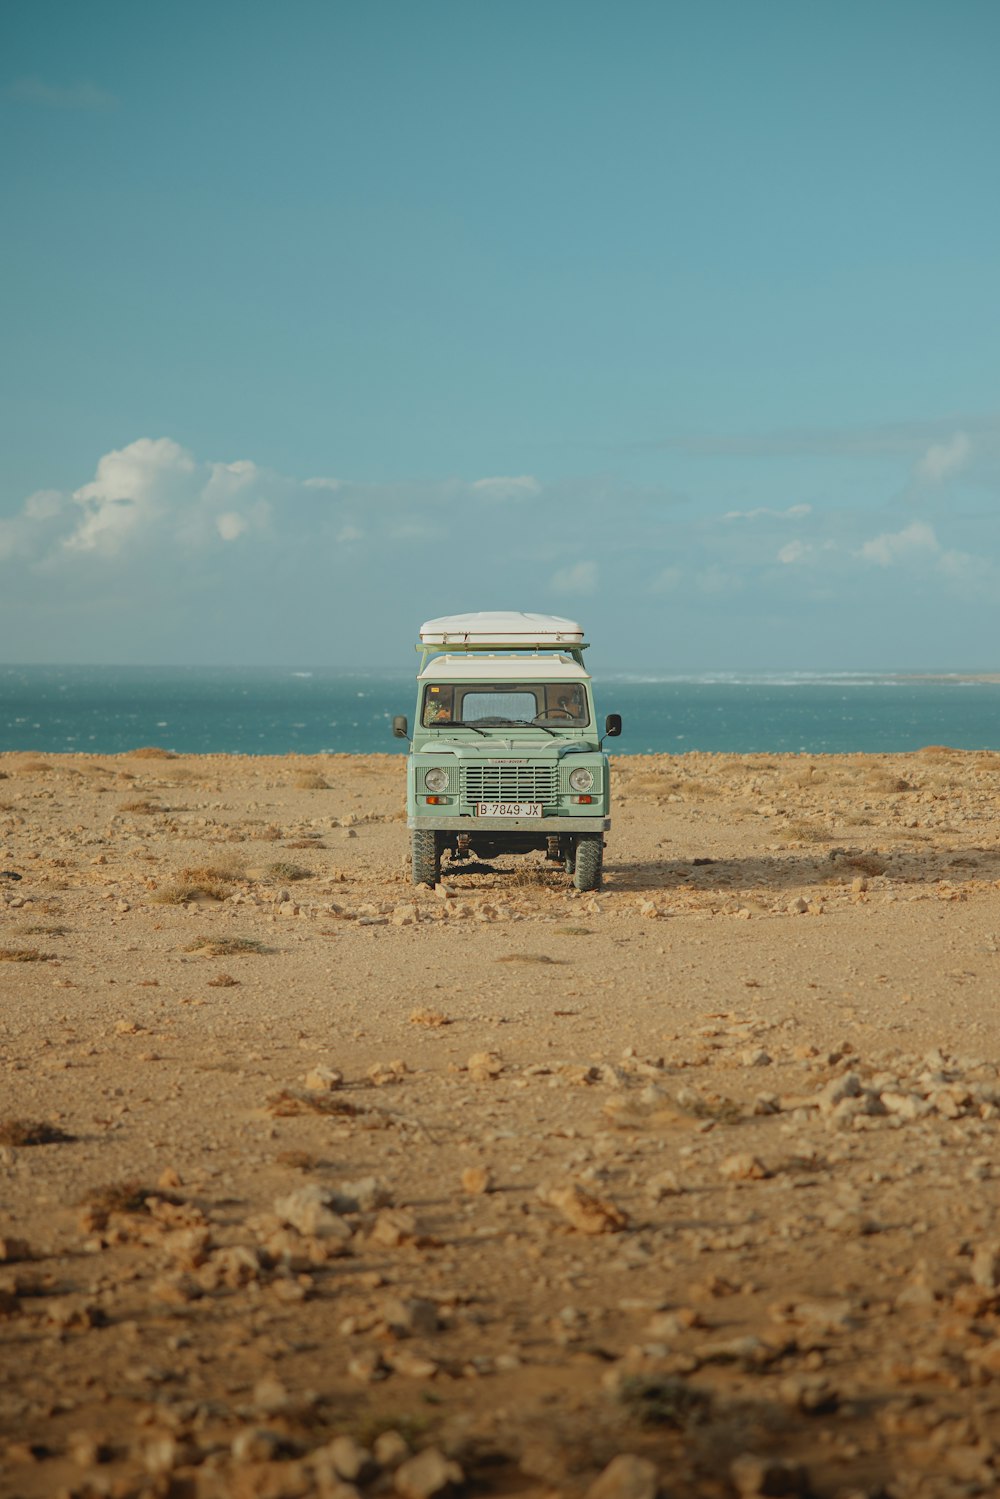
510, 783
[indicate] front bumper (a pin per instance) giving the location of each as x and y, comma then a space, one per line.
510, 824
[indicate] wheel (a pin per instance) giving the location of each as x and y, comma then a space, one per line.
569, 855
589, 861
426, 850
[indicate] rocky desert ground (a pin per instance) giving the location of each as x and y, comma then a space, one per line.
315, 1183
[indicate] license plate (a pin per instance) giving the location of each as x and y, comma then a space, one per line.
508, 809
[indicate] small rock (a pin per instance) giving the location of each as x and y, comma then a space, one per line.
586, 1213
743, 1166
381, 1074
412, 1316
483, 1066
395, 1226
427, 1474
390, 1449
321, 1079
256, 1444
161, 1452
362, 1196
368, 1366
766, 1477
986, 1266
87, 1449
663, 1184
350, 1460
626, 1477
270, 1396
309, 1209
476, 1180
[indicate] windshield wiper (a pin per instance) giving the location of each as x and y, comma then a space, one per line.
458, 723
530, 724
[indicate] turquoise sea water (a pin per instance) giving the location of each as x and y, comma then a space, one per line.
272, 711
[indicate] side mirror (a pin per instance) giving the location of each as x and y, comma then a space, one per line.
399, 727
613, 725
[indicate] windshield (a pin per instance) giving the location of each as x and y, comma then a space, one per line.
500, 704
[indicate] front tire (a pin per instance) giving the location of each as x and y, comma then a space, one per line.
589, 861
425, 847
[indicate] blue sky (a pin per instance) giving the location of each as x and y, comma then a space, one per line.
679, 318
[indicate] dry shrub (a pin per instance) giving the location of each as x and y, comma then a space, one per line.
225, 947
25, 955
284, 870
572, 931
664, 1400
32, 1132
141, 807
806, 832
939, 754
306, 843
299, 1160
525, 875
34, 767
866, 863
430, 1018
151, 752
287, 1103
310, 781
120, 1197
271, 833
181, 891
42, 929
888, 781
530, 957
223, 981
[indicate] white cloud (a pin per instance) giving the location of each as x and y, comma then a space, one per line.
85, 95
892, 547
515, 487
793, 512
579, 577
794, 551
230, 525
667, 580
944, 458
133, 488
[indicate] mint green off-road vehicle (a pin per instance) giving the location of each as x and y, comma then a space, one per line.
505, 754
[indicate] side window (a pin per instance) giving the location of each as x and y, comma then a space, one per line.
565, 703
438, 703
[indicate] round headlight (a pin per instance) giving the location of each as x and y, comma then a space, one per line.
581, 779
436, 779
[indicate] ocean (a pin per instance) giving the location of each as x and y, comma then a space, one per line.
274, 711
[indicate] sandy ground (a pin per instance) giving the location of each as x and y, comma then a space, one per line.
312, 1183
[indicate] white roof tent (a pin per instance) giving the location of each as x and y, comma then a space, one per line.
503, 631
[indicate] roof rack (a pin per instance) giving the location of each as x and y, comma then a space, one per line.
504, 631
